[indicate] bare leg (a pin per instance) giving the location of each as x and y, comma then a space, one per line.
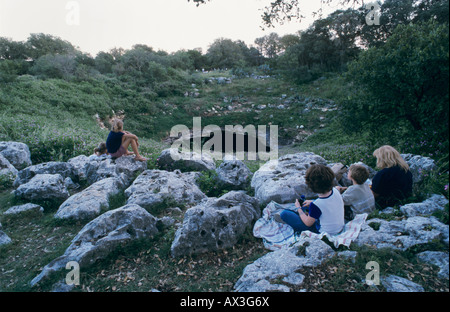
134, 146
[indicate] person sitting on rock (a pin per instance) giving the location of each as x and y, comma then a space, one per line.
326, 214
393, 184
119, 140
357, 198
100, 152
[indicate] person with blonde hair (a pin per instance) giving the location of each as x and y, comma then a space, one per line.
119, 140
393, 184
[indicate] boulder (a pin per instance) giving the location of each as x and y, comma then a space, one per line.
214, 224
394, 283
89, 203
283, 180
402, 234
27, 208
171, 159
4, 239
6, 169
101, 236
419, 165
426, 208
18, 154
282, 265
43, 187
94, 170
64, 169
437, 258
155, 187
233, 175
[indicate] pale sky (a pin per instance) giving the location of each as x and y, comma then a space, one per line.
169, 25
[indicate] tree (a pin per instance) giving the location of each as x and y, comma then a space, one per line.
225, 53
406, 79
12, 50
55, 66
104, 62
42, 44
270, 45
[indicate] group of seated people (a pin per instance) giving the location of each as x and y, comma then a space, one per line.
389, 187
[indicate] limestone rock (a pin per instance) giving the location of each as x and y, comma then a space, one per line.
156, 187
65, 170
171, 159
283, 180
437, 258
233, 174
18, 154
402, 234
426, 208
88, 203
43, 187
399, 284
27, 208
4, 239
94, 170
282, 263
6, 169
101, 236
215, 224
419, 165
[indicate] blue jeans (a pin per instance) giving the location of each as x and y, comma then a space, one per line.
293, 219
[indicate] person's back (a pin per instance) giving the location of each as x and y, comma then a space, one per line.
393, 184
359, 197
331, 215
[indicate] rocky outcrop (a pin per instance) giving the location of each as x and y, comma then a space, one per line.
419, 166
426, 208
89, 203
437, 258
283, 180
215, 224
65, 170
402, 234
6, 169
43, 187
233, 175
101, 236
91, 171
394, 283
171, 159
18, 154
156, 187
4, 239
27, 208
281, 265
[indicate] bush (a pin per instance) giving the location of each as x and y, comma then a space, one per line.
405, 80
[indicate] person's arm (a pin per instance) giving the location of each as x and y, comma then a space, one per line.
307, 220
129, 135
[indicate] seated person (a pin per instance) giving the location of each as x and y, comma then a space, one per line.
119, 140
326, 214
357, 198
393, 184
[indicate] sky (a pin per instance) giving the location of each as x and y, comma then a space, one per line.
169, 25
